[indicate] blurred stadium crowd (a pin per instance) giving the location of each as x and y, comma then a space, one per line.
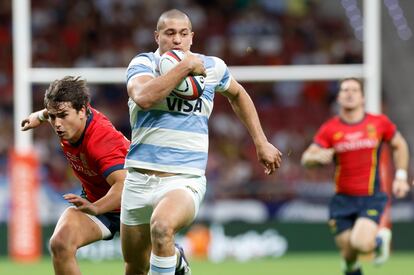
108, 33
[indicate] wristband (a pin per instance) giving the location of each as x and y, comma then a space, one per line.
41, 116
401, 174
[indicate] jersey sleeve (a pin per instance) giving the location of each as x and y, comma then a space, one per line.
140, 65
389, 128
109, 151
223, 75
322, 137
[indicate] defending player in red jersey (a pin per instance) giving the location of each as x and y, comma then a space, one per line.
96, 152
354, 139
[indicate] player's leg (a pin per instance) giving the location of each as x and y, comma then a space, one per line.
173, 212
342, 214
366, 236
136, 210
136, 248
383, 241
350, 265
363, 237
177, 203
384, 235
73, 230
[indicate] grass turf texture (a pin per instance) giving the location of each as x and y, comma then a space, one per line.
292, 264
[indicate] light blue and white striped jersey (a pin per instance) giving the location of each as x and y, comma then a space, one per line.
172, 136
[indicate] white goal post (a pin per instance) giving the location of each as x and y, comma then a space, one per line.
241, 73
25, 75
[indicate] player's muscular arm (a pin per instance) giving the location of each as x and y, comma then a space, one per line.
34, 120
400, 151
109, 202
112, 199
315, 155
401, 157
244, 108
147, 91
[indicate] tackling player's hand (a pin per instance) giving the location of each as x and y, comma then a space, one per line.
81, 204
270, 157
400, 188
30, 122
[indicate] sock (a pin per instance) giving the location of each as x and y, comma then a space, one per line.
352, 268
162, 265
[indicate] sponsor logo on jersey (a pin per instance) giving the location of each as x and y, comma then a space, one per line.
77, 164
371, 131
356, 145
354, 135
182, 105
372, 212
338, 135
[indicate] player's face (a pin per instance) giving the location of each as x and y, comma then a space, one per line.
350, 95
174, 34
67, 122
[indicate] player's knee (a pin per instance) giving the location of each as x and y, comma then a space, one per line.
363, 245
161, 231
59, 246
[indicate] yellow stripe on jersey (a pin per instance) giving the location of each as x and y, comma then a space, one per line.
337, 173
373, 171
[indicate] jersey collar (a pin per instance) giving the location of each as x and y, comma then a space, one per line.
353, 123
88, 121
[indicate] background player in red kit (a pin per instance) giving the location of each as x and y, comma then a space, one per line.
354, 139
96, 152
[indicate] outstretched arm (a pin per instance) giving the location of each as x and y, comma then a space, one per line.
399, 148
315, 155
269, 156
109, 202
34, 120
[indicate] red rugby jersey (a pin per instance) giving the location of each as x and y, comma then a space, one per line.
100, 151
357, 151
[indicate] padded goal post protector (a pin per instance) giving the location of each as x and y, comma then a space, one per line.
24, 229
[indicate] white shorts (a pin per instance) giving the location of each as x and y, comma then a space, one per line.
142, 192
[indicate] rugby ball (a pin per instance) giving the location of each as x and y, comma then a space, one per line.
189, 88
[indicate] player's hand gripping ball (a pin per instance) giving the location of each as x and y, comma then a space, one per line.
192, 86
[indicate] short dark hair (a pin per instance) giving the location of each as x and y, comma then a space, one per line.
68, 89
172, 14
356, 79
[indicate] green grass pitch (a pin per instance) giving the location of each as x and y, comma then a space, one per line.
290, 264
